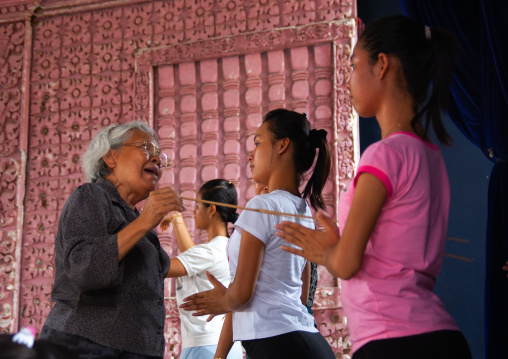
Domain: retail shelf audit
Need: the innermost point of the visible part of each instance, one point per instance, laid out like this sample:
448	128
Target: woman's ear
383	63
283	145
212	210
109	159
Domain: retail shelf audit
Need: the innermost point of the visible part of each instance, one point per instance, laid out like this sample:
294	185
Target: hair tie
428	33
25	336
316	137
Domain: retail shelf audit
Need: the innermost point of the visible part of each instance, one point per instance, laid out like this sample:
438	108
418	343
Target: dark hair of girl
283	123
220	190
426	56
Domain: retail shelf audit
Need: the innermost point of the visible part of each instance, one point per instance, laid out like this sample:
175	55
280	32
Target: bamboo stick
266	211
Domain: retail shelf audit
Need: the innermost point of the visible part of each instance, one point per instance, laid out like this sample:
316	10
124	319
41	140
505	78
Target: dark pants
444	344
87	349
293	345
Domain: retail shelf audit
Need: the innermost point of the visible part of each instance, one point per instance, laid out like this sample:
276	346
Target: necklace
393	129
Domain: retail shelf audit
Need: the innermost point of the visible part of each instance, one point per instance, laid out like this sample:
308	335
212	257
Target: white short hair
109	138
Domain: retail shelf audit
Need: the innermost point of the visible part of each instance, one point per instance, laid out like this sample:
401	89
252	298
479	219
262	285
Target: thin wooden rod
458	257
266	211
461	240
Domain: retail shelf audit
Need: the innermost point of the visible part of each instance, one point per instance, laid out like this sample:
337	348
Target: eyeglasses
151	150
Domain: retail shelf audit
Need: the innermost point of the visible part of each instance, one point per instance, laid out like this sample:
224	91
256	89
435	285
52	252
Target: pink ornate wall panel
201	72
15	39
199	107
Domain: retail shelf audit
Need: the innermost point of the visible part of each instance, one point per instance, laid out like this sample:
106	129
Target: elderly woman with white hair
110	266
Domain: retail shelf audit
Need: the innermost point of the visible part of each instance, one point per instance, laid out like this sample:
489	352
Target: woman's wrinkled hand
158	204
314	245
208	302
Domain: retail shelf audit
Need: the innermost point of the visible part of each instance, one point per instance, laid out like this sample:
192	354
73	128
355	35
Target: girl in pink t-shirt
394	215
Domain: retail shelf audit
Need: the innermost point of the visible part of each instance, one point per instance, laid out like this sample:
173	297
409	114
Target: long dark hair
427	56
283	123
220	190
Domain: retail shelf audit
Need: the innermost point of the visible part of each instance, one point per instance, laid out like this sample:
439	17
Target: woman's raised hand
314	244
167	220
208	302
158	204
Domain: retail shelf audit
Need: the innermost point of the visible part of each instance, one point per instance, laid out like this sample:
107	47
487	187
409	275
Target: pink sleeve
384	162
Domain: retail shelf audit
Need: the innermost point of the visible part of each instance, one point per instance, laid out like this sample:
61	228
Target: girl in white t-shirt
263	302
393	217
199	337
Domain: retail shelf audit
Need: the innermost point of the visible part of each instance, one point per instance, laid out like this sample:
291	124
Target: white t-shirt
275	307
211	256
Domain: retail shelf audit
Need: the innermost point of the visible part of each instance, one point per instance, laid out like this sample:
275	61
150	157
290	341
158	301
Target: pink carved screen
206	113
201	72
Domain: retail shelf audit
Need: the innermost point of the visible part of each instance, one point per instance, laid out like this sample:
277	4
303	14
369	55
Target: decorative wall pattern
214	139
295	72
12	163
201	72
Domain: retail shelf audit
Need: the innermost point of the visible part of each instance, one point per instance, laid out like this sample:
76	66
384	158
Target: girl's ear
212	210
383	63
109	159
283	145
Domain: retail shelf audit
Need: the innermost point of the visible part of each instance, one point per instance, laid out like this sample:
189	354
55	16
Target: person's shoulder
88	193
272	201
407	140
87	189
260	201
387	153
218	243
201	247
219	239
203	252
394	144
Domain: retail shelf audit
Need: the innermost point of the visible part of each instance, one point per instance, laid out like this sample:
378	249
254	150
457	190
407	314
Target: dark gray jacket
115	304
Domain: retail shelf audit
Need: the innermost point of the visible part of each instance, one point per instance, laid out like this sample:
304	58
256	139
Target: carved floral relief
12	55
202	72
214	130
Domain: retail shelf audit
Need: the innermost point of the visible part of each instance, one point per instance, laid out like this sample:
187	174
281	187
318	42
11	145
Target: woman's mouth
152	170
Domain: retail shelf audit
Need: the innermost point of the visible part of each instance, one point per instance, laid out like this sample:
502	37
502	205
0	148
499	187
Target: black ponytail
283	123
444	49
426	56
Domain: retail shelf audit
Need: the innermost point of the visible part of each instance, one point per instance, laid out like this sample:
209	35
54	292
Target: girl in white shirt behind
199	337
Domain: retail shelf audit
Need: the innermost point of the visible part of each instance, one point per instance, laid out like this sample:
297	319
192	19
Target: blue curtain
480	110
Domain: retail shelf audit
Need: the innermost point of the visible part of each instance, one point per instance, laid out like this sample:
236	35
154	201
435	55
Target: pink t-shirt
392	294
